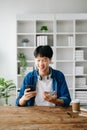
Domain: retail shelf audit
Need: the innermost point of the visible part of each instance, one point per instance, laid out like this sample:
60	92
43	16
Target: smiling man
50	87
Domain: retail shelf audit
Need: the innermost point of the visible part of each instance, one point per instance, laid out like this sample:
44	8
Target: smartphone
32	88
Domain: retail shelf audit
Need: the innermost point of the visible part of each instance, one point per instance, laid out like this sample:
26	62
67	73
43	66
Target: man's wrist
22	101
59	102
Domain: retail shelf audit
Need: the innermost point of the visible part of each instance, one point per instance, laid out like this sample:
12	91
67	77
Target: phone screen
32	88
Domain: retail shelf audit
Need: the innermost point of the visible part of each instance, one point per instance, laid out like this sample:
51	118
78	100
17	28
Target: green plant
22	62
44	28
5	87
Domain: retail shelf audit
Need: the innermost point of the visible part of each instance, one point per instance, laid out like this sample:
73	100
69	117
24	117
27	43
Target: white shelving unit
67	34
65	29
81	45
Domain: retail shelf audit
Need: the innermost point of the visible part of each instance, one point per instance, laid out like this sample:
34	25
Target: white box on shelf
79	70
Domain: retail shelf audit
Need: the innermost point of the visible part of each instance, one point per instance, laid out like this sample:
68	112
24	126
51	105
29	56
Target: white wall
8	11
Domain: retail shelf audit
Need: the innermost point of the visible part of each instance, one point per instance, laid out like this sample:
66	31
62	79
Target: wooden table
40	118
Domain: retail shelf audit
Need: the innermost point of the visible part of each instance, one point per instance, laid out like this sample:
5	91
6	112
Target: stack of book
81	94
70	40
83	111
79	55
81	88
81	82
42	40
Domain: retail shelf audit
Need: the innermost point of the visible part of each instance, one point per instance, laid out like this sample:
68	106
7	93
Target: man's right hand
27	95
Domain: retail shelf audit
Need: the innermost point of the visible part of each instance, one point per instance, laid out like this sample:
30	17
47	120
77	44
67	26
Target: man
50	86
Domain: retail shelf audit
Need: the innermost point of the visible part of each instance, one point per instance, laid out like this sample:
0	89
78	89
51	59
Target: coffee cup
76	105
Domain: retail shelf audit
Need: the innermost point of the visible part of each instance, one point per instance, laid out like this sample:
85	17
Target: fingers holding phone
29	92
30	88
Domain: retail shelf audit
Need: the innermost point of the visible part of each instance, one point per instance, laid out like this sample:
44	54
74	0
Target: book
80	81
83	108
70	41
42	40
83	111
79	55
80	114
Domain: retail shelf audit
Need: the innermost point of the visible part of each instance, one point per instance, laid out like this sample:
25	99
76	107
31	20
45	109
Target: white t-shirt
41	86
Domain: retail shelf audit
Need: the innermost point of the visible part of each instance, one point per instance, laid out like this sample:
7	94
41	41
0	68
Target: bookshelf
67	35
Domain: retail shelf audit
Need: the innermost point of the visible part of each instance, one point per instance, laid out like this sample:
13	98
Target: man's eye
44	60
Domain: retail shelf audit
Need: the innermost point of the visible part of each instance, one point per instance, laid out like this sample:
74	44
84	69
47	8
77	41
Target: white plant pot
25	44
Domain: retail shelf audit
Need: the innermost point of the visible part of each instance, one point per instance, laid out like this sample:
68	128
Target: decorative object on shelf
44	28
25	42
79	55
22	62
79	70
70	40
6	86
42	40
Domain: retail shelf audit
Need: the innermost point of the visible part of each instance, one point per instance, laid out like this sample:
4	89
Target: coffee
76	105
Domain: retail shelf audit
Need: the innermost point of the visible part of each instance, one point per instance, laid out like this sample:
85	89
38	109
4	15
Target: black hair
43	51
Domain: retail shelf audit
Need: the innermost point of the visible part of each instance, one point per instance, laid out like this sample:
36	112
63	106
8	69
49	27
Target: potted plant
44	28
5	87
25	41
22	62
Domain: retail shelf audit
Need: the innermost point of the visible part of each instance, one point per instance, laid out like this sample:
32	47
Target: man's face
42	63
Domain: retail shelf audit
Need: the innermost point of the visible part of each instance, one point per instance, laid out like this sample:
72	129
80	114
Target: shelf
81	60
26	34
81	75
48	23
81	33
81	88
65	61
84	47
64	47
25	27
64	26
81	25
66	33
26	46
